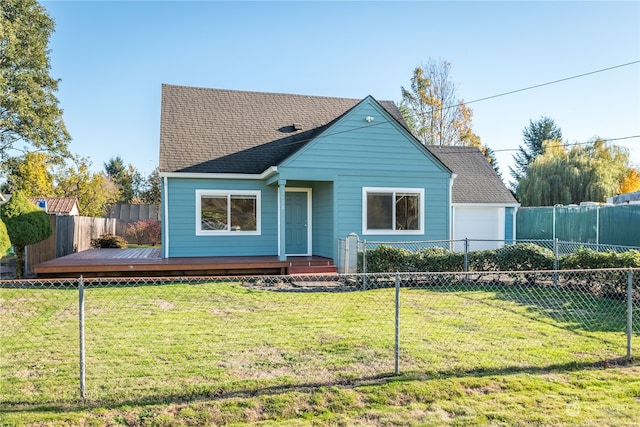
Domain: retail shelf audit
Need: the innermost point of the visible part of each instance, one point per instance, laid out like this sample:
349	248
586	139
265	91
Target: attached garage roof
476	182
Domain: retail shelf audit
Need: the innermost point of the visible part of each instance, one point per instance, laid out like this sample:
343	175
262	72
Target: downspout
166	216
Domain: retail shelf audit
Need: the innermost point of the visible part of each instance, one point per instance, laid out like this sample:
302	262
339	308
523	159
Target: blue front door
296	214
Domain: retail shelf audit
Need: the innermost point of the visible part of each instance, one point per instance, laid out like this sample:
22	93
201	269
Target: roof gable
382	116
225	131
476	182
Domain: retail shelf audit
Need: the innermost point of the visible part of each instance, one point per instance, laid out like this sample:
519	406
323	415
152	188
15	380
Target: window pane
214	213
407	211
243	213
379	211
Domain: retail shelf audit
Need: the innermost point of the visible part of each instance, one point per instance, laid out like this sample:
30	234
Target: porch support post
282	249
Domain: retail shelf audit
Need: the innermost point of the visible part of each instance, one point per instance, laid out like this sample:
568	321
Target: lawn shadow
208	393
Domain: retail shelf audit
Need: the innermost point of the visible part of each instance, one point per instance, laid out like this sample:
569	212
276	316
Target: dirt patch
165	305
303	284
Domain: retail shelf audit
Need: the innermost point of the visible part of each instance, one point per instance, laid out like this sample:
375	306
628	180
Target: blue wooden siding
509	222
182	220
323	220
357	154
348	156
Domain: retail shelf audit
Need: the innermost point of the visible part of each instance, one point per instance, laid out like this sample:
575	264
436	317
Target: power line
551	82
511	92
321	135
578	143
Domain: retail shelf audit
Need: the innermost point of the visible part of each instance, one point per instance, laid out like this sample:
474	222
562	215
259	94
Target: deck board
148	262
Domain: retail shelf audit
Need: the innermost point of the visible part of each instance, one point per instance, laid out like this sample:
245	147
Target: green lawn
223	353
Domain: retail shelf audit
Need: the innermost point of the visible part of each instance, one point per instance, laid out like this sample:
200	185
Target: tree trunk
19	261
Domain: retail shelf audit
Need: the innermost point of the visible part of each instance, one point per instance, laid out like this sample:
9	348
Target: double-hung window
227	212
392	210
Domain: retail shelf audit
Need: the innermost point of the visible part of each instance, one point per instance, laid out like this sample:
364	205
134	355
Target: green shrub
26	224
486	260
524	257
518	257
585	258
388	259
437	259
108	241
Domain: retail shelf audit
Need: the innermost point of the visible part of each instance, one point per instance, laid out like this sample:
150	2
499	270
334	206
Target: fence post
364	265
346	255
466	254
397	338
81	340
556	263
629	312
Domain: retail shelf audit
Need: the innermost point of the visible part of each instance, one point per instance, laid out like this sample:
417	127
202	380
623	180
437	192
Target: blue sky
113	56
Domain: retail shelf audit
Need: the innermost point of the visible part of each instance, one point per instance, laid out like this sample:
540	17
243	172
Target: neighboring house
483	209
250	173
57	205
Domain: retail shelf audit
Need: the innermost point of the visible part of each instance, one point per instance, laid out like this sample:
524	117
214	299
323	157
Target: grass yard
228	354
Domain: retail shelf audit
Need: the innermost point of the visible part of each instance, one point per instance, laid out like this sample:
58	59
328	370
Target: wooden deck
148	262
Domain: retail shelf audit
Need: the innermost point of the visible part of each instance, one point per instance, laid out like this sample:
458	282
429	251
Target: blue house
250	173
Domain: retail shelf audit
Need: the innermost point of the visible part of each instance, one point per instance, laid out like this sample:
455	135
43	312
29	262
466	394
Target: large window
227	212
392	210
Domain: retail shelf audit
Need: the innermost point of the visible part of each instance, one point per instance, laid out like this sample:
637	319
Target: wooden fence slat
73	234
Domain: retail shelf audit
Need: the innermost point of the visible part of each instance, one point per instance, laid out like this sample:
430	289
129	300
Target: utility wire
305	140
578	143
540	85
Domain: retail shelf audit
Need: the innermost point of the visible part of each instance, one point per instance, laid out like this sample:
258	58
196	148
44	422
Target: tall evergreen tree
533	136
127	178
492	159
151	193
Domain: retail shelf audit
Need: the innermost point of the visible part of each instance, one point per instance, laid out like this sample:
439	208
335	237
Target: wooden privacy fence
70	234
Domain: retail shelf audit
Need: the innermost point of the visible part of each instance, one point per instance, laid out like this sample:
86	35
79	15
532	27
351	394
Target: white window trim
366	190
201	193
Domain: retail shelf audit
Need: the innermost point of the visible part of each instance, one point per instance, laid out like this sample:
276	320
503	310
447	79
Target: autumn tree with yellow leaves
630	183
432	110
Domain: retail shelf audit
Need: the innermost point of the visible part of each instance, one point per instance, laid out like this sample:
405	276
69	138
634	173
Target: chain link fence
148	340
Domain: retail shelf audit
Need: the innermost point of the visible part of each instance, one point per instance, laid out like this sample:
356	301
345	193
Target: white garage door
478	223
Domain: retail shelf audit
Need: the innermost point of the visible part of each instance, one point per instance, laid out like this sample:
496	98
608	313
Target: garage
478	223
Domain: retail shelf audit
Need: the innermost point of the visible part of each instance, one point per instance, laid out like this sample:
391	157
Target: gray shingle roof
476	182
228	131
